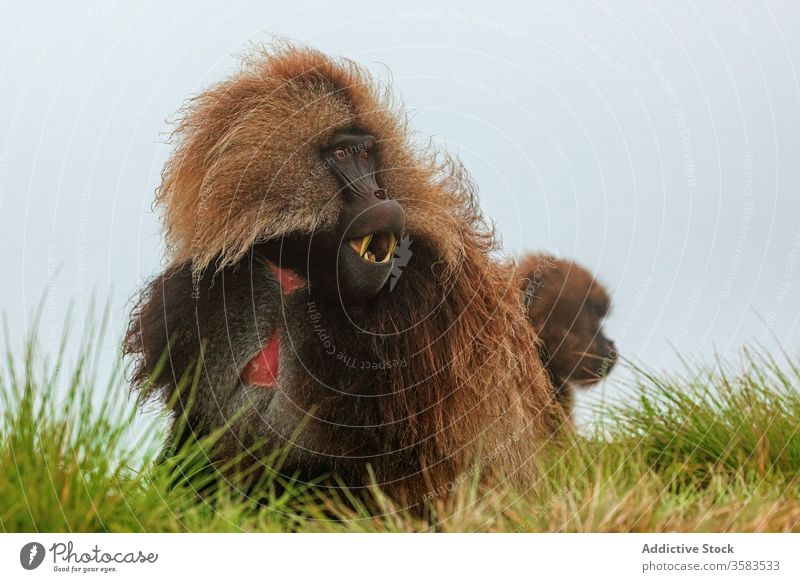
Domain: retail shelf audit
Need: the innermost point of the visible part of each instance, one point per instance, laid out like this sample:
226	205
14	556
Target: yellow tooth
365	243
392	246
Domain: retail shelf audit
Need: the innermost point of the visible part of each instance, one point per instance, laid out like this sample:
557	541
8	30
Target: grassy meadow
715	449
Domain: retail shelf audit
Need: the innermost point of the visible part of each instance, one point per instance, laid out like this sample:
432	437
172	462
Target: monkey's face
581	353
567	306
353	260
370	223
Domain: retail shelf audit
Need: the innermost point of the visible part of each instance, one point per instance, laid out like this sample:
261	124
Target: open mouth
375	248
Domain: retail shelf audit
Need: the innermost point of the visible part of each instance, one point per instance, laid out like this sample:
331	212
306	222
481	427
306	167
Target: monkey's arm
212	325
162	339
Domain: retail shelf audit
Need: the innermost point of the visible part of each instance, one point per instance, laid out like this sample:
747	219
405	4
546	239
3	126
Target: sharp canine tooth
390	251
365	243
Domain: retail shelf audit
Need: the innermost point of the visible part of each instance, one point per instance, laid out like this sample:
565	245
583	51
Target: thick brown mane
474	390
228	184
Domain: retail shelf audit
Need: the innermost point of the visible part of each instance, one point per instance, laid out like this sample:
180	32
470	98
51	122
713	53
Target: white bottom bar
352	557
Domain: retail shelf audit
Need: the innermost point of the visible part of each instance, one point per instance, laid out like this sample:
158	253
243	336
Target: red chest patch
262	370
287	279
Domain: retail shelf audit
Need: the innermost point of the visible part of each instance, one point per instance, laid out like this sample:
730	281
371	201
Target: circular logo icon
31	555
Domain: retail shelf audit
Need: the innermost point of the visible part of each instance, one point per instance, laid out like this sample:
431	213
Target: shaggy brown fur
566	306
247	166
426	379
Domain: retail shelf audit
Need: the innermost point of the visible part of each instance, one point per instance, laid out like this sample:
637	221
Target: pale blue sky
655	142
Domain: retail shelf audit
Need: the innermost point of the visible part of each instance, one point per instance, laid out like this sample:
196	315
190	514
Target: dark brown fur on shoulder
436	371
566	305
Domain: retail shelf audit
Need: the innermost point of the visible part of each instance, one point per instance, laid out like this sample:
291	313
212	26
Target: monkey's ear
162	337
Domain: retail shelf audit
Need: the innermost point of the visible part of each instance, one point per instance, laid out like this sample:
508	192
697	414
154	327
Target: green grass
717	449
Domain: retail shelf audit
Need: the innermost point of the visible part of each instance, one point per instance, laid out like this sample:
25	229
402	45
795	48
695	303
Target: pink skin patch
287	279
262	370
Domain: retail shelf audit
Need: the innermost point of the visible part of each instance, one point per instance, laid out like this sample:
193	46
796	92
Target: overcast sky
657	143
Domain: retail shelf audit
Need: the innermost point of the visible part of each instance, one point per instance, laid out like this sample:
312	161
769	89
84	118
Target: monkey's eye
340	154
